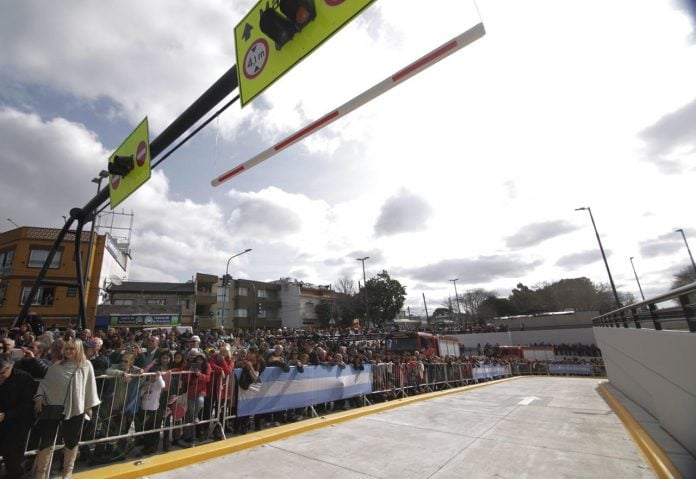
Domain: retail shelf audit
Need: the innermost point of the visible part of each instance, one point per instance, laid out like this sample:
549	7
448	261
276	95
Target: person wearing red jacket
198	382
221	365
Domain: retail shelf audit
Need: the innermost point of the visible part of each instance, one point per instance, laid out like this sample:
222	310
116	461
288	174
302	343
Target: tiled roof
149	287
51	234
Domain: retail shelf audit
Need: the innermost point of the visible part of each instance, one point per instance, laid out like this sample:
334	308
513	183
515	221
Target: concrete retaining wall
656	369
522	338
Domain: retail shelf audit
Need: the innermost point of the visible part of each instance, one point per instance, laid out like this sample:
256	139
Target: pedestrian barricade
139	408
571	369
146	407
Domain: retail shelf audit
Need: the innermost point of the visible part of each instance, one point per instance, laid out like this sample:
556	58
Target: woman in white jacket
69	383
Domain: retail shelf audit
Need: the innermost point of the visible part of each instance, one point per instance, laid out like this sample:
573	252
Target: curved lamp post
363	259
226	284
601	248
637	281
456	296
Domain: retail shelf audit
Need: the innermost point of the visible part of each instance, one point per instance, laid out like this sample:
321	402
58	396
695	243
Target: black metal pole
82	313
206	102
604	257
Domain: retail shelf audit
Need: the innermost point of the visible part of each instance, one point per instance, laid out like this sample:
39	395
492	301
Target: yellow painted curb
660	462
134	469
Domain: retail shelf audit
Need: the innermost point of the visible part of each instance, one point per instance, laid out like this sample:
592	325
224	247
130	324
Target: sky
472	169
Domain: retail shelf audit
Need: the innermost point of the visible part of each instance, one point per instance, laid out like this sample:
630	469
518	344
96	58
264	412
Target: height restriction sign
136	146
275	35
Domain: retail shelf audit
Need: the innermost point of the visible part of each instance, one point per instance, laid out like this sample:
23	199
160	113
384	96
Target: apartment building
23	252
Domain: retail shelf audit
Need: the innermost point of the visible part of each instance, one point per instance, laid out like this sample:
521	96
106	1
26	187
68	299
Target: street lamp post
364	281
604	256
456	297
98	180
637	281
226	284
687	247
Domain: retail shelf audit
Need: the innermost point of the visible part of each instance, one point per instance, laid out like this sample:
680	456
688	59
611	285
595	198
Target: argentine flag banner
279	391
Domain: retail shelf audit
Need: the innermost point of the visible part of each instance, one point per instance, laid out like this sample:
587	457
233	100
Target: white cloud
494	145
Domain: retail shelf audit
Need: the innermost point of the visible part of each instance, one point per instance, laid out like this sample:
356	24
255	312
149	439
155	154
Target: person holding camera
65	395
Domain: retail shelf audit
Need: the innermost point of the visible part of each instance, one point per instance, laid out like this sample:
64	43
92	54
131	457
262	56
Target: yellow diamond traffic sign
260	62
136	145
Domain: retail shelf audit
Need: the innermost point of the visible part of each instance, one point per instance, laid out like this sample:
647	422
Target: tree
494	307
525	300
472	299
349	307
441	312
324	311
345	285
683	277
384	298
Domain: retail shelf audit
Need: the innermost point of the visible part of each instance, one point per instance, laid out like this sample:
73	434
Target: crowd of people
72	384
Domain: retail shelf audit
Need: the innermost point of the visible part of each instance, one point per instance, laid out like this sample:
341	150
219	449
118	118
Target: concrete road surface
524	428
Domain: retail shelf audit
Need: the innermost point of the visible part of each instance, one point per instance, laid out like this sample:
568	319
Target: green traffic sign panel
136	146
292	29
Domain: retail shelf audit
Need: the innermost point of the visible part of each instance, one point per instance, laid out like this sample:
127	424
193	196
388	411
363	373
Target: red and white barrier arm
414	68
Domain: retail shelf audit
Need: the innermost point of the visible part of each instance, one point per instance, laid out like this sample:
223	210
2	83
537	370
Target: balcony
206	322
205	296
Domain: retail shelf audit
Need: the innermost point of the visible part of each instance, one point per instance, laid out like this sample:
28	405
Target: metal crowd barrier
119	422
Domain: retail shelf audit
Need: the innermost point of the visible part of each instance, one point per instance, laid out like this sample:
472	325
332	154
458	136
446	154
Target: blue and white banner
490	372
571	369
279	391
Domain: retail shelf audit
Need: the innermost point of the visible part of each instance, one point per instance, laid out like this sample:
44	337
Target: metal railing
120	422
649	315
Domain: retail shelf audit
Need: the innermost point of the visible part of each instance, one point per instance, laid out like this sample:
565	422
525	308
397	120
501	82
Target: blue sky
473	169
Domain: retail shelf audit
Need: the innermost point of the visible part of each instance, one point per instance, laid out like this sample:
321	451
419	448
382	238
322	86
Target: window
240	313
44	296
37	258
6	258
221	295
242	292
186	303
122	302
262	293
155	301
72	292
3	291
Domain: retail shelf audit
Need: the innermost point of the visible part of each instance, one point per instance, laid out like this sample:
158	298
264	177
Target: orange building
23	252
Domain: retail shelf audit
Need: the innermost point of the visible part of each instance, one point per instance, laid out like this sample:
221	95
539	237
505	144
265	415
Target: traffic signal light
259	308
226	279
276	27
122	165
299	12
296	14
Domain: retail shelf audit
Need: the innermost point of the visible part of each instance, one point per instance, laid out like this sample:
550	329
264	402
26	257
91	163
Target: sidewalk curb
662	465
134	469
